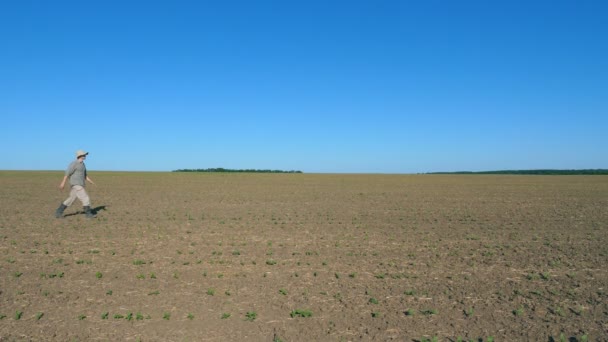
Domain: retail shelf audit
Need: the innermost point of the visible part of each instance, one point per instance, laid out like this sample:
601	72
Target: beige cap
80	153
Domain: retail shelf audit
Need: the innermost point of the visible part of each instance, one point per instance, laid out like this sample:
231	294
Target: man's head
81	155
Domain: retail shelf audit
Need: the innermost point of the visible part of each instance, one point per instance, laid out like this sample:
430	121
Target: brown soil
192	257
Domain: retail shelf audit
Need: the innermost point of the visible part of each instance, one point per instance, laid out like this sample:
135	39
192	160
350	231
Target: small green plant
18	274
519	311
283	292
82	317
410	312
432	339
98	275
429	312
167	316
469	312
18	315
138	262
141	276
190	316
105	315
301	313
373	300
251	316
39	315
558	311
225	315
211	292
109	293
532	276
375	314
271	262
118	316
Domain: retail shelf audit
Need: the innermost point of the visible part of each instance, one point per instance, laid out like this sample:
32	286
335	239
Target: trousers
79	192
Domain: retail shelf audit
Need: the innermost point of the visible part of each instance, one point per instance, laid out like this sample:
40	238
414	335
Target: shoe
89	212
59	211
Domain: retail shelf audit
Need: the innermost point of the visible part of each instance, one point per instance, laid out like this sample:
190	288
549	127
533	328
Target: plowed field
305	257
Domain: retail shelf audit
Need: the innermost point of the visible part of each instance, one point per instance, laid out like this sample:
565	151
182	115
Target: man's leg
68	202
86	201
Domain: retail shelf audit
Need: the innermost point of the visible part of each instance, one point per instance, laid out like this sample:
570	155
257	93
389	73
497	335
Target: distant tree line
221	169
530	172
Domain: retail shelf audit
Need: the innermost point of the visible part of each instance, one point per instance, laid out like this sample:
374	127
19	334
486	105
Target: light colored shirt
77	172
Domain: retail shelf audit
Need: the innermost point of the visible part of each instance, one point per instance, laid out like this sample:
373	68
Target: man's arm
90	180
62	185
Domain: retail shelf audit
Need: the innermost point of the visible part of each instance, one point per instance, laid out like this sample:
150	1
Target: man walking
77	173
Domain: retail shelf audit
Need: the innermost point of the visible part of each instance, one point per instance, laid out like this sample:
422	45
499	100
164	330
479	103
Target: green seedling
105	315
18	315
98	275
373	300
283	292
190	316
225	315
301	313
166	316
251	316
519	311
211	292
429	312
39	316
82	317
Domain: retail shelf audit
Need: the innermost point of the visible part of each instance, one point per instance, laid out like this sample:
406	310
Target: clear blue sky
317	86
